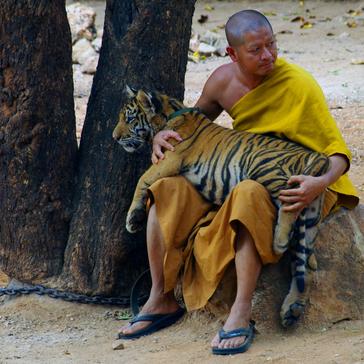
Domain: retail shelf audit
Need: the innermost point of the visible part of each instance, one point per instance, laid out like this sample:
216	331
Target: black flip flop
248	332
157	322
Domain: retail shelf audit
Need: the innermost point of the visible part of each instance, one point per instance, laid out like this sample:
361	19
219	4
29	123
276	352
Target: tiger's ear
145	100
130	91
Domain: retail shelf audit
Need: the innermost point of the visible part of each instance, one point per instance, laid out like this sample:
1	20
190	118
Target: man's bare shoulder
221	74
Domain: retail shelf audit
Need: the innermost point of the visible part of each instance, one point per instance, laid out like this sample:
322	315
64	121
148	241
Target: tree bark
37	137
145	45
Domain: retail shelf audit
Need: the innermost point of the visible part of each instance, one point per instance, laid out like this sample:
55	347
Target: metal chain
71	297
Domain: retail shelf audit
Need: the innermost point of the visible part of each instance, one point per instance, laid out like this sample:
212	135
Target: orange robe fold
200	239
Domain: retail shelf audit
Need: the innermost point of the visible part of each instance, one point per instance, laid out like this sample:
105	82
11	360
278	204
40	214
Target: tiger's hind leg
295	302
283	231
303	263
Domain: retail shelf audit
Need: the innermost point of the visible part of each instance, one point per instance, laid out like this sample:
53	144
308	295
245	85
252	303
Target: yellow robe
290	104
200	238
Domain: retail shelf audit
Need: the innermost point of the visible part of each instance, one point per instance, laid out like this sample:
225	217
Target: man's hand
310	187
297	198
160	143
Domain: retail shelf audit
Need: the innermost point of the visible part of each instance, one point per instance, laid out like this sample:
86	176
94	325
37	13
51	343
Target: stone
337	292
216	40
82	21
90	65
82	82
359	20
194	43
206	49
96	44
82	50
118	345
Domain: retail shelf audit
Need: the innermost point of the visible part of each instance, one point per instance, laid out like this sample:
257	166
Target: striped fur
215	159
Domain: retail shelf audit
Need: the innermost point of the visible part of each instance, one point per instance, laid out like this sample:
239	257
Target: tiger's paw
135	220
291	314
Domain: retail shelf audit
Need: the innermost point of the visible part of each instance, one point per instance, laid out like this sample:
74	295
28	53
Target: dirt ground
43	330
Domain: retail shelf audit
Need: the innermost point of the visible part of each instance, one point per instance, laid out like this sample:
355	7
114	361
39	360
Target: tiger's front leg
137	213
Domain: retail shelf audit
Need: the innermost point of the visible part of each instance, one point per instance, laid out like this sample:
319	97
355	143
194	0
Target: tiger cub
215	159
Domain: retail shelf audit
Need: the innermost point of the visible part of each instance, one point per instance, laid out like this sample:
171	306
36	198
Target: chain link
70	296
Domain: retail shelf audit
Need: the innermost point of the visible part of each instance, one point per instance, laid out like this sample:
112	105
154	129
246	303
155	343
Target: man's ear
145	100
232	54
130	91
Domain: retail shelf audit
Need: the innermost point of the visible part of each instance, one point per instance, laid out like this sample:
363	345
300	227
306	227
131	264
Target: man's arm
310	187
207	102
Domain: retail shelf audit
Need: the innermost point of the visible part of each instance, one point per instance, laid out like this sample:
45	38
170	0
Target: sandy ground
42	330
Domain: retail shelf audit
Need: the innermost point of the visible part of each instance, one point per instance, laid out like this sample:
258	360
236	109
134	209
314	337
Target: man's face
256	56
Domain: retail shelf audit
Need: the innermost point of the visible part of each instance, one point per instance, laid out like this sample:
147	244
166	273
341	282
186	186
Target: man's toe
215	341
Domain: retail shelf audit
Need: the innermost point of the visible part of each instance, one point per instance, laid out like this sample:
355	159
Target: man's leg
158	302
177	208
248	266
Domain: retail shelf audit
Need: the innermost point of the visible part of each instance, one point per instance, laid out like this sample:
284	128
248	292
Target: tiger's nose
115	135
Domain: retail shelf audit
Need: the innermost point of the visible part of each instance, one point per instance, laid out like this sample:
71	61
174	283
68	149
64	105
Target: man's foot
239	317
163	304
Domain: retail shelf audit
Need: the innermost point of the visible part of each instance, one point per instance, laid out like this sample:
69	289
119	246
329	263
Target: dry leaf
285	32
354	12
325	19
196	55
306	25
269	13
208	7
298	18
357	61
351	24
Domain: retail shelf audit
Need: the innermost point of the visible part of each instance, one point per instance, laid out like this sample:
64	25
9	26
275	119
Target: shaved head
242	22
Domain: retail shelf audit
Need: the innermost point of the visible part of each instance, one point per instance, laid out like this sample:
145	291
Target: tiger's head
144	114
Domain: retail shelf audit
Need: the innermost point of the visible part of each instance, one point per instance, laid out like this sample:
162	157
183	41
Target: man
263	94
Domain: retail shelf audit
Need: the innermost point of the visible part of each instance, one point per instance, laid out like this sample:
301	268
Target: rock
82	21
337	292
90	65
81	51
118	345
344	35
206	49
216	40
194	43
359	20
96	44
82	82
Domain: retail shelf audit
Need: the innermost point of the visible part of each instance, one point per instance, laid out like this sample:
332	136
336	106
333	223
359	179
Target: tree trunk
145	45
37	137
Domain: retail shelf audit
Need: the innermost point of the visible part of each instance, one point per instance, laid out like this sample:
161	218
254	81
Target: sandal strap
243	331
147	317
156	316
